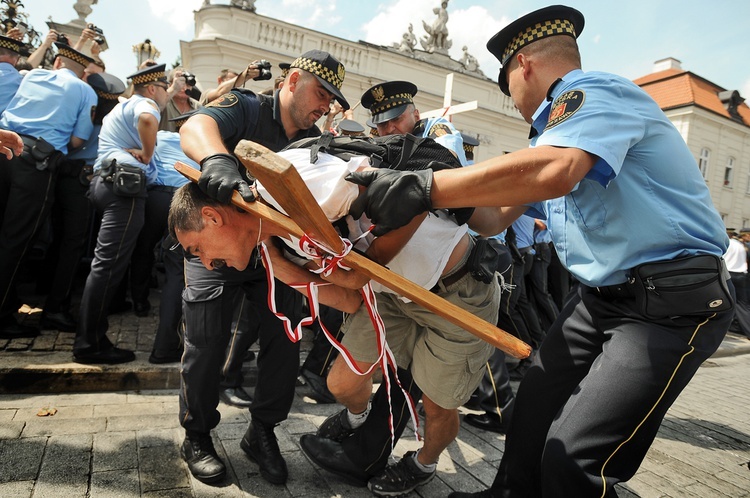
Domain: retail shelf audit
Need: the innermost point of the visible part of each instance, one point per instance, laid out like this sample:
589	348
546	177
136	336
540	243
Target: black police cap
327	68
284	66
149	74
11	44
469	142
388	100
69	52
543	23
106	86
351	127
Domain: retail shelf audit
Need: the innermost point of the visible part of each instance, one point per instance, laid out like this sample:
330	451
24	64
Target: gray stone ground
124	443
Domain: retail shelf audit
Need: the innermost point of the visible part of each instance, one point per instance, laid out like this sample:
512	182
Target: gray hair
185	209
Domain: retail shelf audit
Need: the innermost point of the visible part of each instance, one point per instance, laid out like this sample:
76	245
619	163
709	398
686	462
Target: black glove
221	176
392	198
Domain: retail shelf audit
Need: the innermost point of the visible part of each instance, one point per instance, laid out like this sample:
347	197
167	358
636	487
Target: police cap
69	52
329	71
149	74
284	66
106	86
182	118
549	21
351	127
388	100
11	44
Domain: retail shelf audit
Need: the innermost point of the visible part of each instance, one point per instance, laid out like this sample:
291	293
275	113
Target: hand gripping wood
282	180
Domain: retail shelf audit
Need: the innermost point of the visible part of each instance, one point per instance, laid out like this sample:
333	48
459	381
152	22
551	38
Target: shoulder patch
438	130
564	107
226	100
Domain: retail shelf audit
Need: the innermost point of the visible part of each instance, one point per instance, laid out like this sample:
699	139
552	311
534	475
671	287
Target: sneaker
400	478
336	427
202	460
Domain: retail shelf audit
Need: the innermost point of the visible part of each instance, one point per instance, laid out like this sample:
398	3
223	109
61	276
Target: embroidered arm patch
564	107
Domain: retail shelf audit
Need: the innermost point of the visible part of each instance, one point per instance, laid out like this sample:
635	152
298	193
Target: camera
99	39
61	38
265	70
189	78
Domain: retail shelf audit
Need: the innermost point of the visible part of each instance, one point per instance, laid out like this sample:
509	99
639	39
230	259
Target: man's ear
212	216
294	77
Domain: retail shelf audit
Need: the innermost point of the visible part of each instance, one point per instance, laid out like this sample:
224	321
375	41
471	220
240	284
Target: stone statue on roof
437	39
408	41
468	61
83	7
244	4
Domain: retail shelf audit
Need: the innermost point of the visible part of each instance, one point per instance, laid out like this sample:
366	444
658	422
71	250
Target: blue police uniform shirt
120	131
10	79
644	199
443	132
168	152
542	236
87	152
54	105
524	228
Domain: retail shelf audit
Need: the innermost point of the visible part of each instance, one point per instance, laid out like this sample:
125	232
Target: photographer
228	79
180	82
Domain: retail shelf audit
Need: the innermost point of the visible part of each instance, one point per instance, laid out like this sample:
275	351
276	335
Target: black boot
260	445
202	460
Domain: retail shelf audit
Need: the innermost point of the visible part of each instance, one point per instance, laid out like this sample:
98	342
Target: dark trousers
537	287
559	279
591	404
742	304
243	334
370	445
521	311
210	301
122	219
26	195
71	215
167	338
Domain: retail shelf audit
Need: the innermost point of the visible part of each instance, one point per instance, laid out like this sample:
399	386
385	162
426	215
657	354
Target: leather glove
221	176
392	198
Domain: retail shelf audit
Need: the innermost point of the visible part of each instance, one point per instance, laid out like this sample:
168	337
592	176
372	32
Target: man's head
181	72
10	50
69	58
544	32
392	107
108	88
314	80
151	82
226	75
219	234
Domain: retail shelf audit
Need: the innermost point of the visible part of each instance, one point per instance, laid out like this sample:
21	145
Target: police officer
314	80
51	110
10	78
71	213
365	453
470	143
118	190
625	202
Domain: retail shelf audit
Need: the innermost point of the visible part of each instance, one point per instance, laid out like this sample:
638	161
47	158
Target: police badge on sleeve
564	107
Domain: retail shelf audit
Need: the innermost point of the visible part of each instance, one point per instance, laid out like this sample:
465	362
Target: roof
674	88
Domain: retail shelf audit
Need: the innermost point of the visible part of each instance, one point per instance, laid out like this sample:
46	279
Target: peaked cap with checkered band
388	100
149	74
68	52
327	68
549	21
11	44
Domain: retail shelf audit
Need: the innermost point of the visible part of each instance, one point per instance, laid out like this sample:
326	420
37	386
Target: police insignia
226	100
565	106
378	93
438	130
341	73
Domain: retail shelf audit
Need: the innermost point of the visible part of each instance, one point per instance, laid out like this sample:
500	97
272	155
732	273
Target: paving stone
16	489
115	484
48	426
65	467
115	451
20	459
141	422
160	468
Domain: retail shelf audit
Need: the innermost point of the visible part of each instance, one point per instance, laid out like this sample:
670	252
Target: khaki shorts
447	362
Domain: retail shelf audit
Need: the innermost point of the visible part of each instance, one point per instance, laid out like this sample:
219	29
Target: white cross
448	110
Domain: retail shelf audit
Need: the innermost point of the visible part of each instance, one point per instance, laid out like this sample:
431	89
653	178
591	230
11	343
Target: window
703	162
729	172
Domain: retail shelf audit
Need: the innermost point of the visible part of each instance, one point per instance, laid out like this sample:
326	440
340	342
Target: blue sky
710	39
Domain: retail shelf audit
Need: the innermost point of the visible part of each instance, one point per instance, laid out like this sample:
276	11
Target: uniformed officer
10	78
122	170
71	213
470	142
625	202
349	127
365	453
51	110
167	346
314	80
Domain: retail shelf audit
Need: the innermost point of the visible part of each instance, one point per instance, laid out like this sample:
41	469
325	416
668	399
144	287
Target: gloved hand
220	176
392	198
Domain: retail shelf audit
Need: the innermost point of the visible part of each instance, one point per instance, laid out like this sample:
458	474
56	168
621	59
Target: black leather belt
162	188
452	278
624	290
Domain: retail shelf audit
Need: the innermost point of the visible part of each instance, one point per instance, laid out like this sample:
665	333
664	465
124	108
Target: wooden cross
448	110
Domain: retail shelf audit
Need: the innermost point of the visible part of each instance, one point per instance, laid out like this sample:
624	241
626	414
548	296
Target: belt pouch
486	257
128	181
691	286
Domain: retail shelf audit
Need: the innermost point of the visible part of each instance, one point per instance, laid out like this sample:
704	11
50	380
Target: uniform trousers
122	220
70	218
524	306
167	339
591	404
209	304
537	287
26	195
742	304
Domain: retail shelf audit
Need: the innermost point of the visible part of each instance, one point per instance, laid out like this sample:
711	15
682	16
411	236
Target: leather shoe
108	356
141	308
202	460
485	421
236	396
14	330
260	445
62	321
317	383
329	455
157	358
